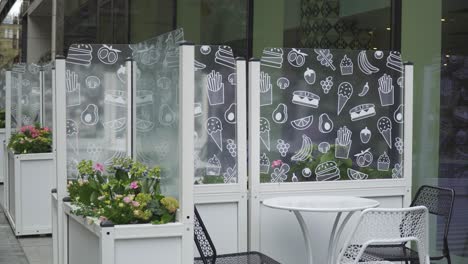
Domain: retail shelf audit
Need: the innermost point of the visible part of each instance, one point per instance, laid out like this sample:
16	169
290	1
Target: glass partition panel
2	97
215	115
331	115
26	95
47	95
157	105
97	103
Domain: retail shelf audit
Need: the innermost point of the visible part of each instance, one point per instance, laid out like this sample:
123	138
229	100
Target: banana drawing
305	151
364	64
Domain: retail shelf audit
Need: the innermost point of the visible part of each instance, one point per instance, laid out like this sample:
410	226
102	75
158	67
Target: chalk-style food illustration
325	58
197	109
399	145
115	97
306	172
143	97
230	114
199	66
283	83
324	147
325	123
116	125
205	50
144	125
266	89
108	55
400	82
394	61
280	174
215	88
364	65
310	76
356	175
282	147
213	167
80	54
264	164
166	115
365	90
72	136
383	163
265	132
346	66
345	91
296	58
214	127
294	178
92	82
343	143
280	114
385	128
397	171
378	54
272	57
305	98
327	84
386	90
302	123
230	176
364	158
327	171
398	115
224	56
73	88
232	78
306	150
90	116
232	147
365	135
362	111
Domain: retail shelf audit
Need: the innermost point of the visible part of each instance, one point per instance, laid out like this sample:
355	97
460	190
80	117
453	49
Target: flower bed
31	139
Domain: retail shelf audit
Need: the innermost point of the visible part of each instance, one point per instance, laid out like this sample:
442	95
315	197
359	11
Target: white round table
322	204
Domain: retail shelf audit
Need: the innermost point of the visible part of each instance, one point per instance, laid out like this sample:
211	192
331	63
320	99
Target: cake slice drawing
265	132
272	57
214	127
394	61
345	91
224	56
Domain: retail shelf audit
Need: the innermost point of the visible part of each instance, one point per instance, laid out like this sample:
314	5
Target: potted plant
31	170
115	213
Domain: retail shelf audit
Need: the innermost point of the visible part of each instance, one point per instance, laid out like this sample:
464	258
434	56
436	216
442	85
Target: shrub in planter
31	139
2	118
127	193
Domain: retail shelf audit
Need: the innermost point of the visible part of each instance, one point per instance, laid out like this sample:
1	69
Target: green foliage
128	194
31	139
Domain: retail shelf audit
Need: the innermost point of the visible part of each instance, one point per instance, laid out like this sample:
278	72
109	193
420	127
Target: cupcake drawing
386	90
383	163
264	164
214	127
266	89
346	66
213	168
72	135
265	132
215	88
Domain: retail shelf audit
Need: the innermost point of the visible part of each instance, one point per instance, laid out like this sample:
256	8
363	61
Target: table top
321	203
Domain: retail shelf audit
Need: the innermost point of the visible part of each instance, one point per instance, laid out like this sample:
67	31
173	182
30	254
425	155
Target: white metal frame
6	206
368	188
233	193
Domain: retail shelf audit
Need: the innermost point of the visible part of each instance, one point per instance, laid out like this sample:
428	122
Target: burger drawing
327	171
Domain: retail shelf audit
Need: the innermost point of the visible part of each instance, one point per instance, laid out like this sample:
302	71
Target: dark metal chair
439	202
208	254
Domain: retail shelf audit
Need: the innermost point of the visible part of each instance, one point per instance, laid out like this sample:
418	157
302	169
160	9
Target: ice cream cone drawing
343	143
215	88
386	90
266	89
385	128
345	91
265	132
215	130
72	136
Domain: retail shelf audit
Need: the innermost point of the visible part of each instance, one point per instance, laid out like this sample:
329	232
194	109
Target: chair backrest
439	201
387	226
205	245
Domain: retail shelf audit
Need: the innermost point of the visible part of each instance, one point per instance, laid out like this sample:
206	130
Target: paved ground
32	250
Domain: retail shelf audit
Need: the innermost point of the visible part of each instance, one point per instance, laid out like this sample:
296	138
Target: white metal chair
381	227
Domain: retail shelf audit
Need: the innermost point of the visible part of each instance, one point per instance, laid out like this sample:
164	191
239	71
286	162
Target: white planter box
29	182
91	243
2	155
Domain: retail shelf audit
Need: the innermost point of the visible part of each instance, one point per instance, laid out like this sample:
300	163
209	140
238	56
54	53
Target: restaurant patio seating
378	228
208	253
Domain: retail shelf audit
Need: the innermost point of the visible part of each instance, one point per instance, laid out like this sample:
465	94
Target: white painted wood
2	155
6	206
408	131
30	179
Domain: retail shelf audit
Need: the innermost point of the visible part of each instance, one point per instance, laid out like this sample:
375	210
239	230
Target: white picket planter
29	183
89	242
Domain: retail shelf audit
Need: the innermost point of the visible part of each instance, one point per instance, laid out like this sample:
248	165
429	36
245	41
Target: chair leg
449	261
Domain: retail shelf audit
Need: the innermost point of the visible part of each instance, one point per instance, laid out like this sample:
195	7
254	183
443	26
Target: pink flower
34	134
102	218
127	199
276	163
135	203
134	185
99	167
46	129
